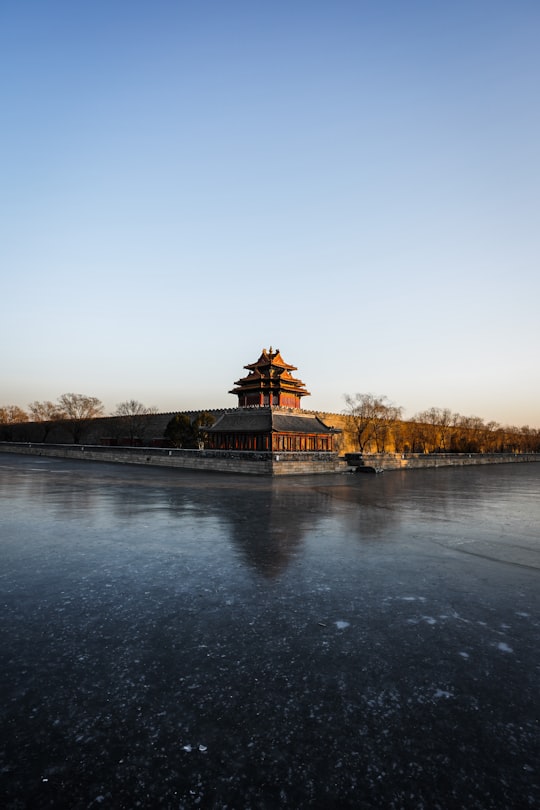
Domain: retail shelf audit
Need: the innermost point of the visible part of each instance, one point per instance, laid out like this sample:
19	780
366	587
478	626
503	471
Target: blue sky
355	183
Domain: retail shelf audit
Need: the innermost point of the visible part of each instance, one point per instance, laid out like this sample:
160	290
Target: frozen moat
182	640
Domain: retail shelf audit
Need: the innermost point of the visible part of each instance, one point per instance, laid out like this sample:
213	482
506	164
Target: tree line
75	413
378	426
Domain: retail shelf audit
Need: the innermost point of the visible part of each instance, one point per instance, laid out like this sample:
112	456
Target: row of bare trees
75	414
378	427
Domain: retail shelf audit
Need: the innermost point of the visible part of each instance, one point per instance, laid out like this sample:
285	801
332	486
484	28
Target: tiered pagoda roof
270	383
265	419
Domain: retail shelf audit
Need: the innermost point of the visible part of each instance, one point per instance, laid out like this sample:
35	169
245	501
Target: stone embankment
263	463
229	461
379	462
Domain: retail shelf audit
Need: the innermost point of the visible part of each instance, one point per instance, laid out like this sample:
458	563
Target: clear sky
354	182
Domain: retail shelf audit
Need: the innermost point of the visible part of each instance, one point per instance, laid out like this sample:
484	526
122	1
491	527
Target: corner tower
269	383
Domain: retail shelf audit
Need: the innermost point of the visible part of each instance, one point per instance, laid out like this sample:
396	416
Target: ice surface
178	640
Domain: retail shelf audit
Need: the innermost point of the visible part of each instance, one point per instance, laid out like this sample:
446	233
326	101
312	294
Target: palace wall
154	427
114	428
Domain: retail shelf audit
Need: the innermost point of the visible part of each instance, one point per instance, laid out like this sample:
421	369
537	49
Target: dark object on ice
357	461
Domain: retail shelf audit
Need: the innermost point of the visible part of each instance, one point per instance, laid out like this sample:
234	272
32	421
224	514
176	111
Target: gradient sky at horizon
355	183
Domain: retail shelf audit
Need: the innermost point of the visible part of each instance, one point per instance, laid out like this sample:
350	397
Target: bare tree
133	418
419	434
491	437
78	412
400	436
10	415
513	439
47	413
371	416
385	425
441	421
471	431
529	438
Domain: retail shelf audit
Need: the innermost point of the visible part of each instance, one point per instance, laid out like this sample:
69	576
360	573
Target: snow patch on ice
426	619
